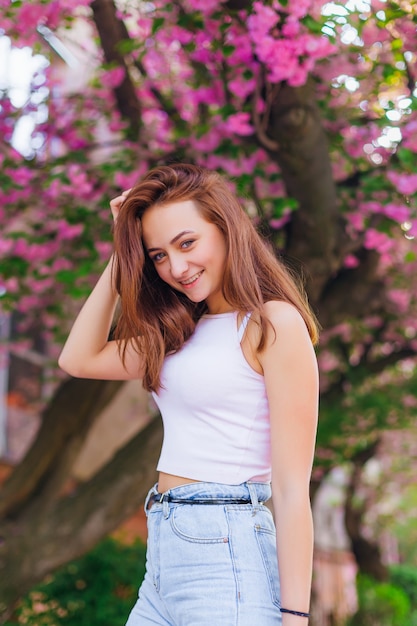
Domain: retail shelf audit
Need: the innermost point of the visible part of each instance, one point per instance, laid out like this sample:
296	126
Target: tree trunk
366	552
65	423
314	234
35	545
112	31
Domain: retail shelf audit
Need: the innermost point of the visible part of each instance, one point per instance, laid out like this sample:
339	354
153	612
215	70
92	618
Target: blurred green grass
100	588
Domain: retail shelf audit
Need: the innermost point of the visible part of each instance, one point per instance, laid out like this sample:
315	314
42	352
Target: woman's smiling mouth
191	281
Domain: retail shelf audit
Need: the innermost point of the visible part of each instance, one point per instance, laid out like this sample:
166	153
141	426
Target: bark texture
366	551
35	543
302	153
112	31
65	423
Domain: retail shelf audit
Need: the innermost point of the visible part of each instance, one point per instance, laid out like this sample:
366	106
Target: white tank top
214	408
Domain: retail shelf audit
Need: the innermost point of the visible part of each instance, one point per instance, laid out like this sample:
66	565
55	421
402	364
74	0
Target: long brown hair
160	319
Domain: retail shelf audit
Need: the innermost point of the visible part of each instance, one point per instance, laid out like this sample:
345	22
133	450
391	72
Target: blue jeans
210	565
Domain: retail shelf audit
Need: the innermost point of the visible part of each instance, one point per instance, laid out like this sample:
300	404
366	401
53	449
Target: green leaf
191	22
313	25
228	50
226	110
396	44
394	13
279	205
407	158
410	257
157	24
126	46
189	47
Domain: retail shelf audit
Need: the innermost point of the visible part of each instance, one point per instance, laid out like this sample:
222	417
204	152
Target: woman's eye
187	244
158	257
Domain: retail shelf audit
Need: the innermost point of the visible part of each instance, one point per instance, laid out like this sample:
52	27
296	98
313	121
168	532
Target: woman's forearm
90	331
295	554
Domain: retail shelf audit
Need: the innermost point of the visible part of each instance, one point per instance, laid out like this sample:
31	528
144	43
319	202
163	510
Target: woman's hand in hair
117	202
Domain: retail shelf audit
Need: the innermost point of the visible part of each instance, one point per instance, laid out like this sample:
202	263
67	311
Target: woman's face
189	253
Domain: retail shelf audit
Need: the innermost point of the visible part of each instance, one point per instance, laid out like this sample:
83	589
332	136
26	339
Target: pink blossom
299	8
182	35
243	52
328	361
29	303
55	189
5	246
145	27
397	212
409	401
209	141
401	298
405	183
371	207
291	28
239	124
11	285
203	52
278	223
375	240
241	86
113	78
298	77
20	176
409	132
42	285
117	124
371	33
205	6
262	20
126	180
357	220
79	181
351	261
68	231
412	232
61	264
104	249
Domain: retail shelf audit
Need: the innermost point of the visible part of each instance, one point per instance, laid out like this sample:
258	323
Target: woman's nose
178	266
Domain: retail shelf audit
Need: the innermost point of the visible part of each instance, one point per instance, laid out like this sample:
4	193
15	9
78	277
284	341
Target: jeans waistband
204	492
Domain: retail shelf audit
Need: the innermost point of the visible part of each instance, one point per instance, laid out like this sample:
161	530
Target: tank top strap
243	325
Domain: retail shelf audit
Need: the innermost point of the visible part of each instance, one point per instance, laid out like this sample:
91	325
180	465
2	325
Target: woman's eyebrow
175	239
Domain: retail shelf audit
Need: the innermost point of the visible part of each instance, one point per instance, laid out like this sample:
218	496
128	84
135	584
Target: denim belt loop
165	506
151	493
253	496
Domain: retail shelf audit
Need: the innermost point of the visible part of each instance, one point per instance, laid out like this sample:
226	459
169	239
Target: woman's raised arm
87	352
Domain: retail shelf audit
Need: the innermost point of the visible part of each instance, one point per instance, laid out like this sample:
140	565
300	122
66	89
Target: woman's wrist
293	612
294	620
291	617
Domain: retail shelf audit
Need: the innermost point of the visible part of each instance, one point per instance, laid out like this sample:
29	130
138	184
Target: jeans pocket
200	523
266	539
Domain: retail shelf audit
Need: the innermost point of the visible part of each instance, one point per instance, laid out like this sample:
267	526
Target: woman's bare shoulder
282	314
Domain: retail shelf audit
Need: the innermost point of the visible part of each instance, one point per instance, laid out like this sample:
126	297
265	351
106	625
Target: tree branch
66	420
354	292
378	365
112	31
36	545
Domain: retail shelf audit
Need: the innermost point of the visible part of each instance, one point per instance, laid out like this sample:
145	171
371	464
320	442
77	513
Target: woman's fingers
117	202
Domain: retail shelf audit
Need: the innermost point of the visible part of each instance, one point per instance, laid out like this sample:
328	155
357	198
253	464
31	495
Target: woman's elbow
69	367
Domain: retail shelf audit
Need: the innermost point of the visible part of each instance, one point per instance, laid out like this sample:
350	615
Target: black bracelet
299	613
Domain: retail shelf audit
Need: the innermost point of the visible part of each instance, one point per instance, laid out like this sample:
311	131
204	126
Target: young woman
221	334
